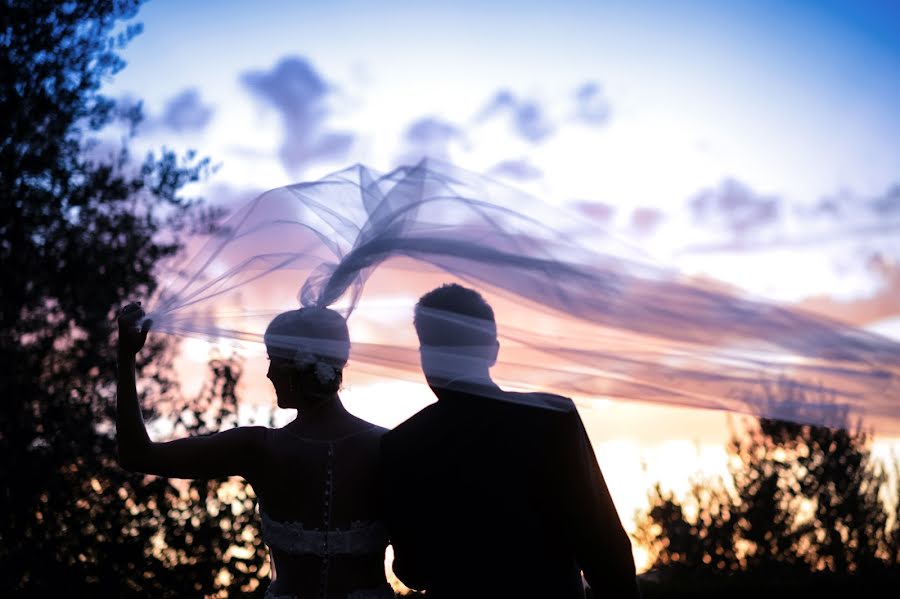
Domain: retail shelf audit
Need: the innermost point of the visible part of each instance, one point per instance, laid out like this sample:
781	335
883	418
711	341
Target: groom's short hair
454	315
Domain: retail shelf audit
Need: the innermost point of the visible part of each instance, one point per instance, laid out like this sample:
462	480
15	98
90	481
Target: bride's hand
132	329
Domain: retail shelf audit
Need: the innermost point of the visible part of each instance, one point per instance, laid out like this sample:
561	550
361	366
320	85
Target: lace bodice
362	538
325	529
292	537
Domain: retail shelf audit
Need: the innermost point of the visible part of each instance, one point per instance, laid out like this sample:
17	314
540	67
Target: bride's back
319	500
319	477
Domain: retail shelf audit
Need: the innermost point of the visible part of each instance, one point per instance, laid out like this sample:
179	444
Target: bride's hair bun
313	339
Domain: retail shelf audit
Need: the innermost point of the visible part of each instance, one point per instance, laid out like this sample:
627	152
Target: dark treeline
84	225
806	507
84	228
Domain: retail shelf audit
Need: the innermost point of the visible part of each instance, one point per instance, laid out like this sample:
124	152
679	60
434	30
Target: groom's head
457	334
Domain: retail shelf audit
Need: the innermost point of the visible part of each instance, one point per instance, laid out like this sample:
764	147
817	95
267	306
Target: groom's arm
602	546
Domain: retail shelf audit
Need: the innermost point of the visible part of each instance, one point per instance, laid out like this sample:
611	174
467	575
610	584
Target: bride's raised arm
234	452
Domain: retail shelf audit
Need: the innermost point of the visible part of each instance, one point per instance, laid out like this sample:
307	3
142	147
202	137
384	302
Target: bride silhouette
317	478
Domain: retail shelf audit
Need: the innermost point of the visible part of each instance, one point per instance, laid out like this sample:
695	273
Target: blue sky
635	107
752	142
811	83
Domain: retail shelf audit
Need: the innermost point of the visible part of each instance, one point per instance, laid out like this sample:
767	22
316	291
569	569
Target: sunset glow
749	145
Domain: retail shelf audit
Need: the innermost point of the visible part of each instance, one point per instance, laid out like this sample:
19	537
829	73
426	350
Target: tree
199	537
82	226
802	499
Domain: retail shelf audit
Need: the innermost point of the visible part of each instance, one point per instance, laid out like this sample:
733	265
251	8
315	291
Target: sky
748	142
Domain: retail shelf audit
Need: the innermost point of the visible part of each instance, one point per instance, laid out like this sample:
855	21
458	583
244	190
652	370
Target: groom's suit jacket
494	498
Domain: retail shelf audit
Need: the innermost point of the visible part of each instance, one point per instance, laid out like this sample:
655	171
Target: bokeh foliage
802	502
84	226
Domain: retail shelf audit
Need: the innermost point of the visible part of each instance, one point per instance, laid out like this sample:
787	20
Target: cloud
848	205
591	104
519	170
297	91
430	130
185	113
887	204
430	136
596	211
645	220
530	120
881	305
845	216
527	117
736	207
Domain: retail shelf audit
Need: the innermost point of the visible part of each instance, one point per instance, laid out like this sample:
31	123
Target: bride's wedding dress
330	542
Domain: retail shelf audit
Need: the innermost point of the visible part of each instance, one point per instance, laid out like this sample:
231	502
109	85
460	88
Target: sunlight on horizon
747	144
637	445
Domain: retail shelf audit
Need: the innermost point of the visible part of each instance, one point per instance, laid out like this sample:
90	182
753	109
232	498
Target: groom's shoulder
536	413
540	403
415	426
558	403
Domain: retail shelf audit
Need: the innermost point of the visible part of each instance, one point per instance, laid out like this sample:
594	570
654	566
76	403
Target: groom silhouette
492	493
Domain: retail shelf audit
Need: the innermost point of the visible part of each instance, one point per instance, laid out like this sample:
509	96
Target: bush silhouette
83	225
801	499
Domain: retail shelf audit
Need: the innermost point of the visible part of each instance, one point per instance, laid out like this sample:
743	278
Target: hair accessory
325	373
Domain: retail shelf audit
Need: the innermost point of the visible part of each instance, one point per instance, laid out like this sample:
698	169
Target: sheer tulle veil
586	317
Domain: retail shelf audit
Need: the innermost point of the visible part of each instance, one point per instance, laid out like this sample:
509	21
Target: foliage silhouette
801	500
206	539
81	226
